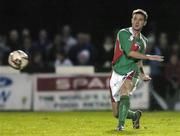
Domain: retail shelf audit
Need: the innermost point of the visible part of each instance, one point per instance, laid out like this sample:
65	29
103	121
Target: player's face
138	22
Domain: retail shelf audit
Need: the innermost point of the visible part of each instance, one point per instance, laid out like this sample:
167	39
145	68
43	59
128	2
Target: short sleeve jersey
126	42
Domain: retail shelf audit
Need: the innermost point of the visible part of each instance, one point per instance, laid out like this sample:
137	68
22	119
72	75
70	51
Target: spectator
37	60
83	44
155	70
36	63
27	45
12	43
25	33
13	40
106	52
172	74
68	39
164	45
4	50
91	48
83	57
43	45
155	67
62	60
58	45
175	49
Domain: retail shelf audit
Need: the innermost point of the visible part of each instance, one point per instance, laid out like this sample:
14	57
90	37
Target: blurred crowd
166	75
46	52
67	49
62	49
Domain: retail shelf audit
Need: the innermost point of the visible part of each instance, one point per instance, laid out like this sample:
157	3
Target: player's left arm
142	74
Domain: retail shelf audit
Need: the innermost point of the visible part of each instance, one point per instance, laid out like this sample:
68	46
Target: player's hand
155	57
145	77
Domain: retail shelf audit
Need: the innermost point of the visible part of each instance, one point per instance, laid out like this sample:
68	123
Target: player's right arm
127	44
138	55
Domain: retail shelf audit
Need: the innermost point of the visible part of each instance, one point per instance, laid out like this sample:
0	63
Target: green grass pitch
85	124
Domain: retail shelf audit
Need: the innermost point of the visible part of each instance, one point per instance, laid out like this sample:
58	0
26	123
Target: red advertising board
80	92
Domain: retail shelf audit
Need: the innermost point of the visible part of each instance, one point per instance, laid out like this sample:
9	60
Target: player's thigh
126	87
115	109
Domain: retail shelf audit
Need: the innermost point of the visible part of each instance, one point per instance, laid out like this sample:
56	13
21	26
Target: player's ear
145	23
131	20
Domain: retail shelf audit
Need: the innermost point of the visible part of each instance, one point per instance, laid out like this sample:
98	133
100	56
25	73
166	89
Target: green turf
85	124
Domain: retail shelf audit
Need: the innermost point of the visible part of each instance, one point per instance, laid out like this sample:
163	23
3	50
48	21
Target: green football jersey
126	42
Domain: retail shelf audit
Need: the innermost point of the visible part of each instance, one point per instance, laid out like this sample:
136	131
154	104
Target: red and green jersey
126	42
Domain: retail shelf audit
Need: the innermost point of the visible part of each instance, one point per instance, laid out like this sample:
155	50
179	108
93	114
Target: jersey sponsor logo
135	47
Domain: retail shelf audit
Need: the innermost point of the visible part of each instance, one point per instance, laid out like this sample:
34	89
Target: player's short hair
140	11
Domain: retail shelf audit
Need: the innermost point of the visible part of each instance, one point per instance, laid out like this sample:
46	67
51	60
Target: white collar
131	31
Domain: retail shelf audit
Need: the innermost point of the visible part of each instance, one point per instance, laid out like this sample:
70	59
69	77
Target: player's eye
135	19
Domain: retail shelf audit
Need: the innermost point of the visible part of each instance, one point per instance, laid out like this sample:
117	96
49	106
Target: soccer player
127	68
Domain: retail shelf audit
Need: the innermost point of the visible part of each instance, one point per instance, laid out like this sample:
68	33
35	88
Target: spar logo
73	83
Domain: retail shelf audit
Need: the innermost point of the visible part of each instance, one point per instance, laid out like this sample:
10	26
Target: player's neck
136	33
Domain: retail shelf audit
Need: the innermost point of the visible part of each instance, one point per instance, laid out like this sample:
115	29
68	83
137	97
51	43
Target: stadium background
96	17
95	22
94	25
